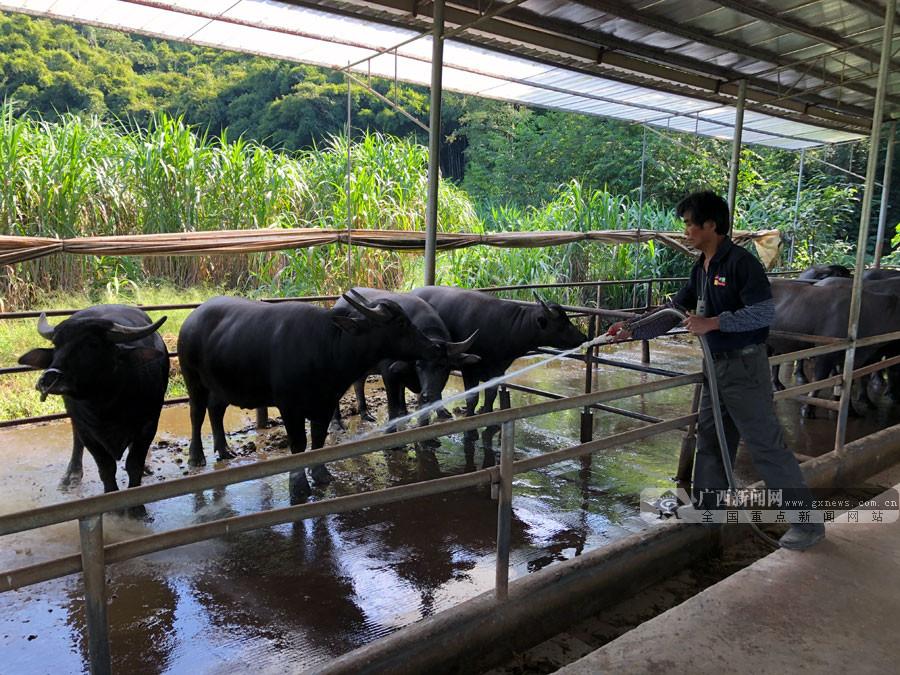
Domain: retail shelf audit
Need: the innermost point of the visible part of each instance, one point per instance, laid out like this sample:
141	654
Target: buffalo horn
44	327
543	304
120	333
361	298
374	314
377	307
457	348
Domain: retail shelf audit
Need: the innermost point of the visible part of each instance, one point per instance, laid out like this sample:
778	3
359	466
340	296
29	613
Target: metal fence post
683	475
587	416
645	344
91	530
504	509
262	418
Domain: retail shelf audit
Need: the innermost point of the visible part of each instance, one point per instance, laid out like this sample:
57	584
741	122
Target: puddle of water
293	596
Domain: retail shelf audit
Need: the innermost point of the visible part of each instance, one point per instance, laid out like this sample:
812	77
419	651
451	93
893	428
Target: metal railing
95	556
607	313
89	512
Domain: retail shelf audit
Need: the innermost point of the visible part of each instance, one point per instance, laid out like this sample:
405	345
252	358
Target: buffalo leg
776	378
490	395
424	418
198	399
396	402
800	372
469	382
134	466
295	427
359	387
893	381
319	472
75	469
106	466
822	369
217	422
337	420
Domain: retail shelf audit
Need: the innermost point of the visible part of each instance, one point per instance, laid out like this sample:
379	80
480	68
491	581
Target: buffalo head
86	354
817	272
554	327
405	340
432	374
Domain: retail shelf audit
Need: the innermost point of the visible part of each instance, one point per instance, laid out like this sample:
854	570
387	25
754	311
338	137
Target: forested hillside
512	163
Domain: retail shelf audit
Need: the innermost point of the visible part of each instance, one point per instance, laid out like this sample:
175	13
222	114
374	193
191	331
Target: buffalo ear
467	360
37	358
398	367
145	355
349	324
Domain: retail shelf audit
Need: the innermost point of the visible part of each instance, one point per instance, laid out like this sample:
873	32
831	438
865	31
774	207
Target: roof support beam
434	140
700	86
763	12
870	6
605	41
648	19
885	194
864	218
736	150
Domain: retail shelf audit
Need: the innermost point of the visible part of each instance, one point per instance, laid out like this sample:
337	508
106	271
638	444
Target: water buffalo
426	377
817	272
111	367
879	274
823	309
297	357
506	329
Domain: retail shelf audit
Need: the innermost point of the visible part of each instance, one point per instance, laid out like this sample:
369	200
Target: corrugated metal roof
811	65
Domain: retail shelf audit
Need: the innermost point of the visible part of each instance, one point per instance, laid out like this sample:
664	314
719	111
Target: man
732	305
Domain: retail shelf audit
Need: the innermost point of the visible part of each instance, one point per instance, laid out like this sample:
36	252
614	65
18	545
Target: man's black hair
705	206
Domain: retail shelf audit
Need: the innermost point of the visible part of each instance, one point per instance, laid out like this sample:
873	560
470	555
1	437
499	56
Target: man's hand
701	325
619	332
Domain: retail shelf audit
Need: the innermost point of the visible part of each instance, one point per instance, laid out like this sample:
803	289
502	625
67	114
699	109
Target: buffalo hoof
876	388
70	479
147	471
139	512
443	413
225	454
367	416
298	487
489	434
196	460
320	474
429	444
807	412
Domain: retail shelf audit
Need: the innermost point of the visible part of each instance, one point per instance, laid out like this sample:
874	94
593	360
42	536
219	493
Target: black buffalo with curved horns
111	367
506	329
425	377
295	356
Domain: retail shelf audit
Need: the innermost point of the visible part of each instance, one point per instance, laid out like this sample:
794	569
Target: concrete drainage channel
483	632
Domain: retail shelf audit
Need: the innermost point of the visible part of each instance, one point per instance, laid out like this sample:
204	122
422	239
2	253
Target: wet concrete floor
290	597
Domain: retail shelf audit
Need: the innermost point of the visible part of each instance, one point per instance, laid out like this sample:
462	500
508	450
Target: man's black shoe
802	537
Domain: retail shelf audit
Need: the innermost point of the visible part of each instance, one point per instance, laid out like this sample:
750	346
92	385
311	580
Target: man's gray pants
748	412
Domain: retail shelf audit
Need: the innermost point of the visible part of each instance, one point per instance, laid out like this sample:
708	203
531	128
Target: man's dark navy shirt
735	279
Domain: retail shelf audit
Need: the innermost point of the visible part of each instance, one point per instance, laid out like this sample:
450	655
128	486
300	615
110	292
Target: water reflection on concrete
292	596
